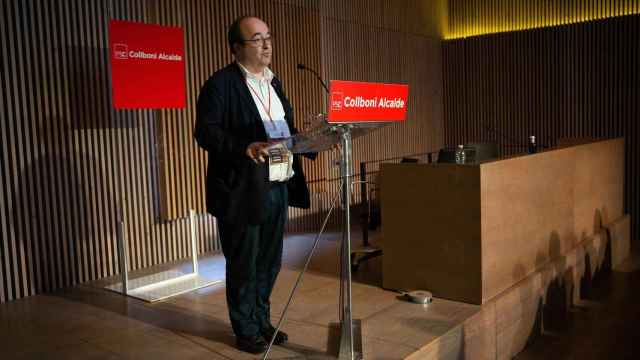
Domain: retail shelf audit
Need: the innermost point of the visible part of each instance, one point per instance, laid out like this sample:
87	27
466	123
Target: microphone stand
324	85
349	330
319	78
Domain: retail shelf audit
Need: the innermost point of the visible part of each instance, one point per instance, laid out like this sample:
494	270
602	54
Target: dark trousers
254	256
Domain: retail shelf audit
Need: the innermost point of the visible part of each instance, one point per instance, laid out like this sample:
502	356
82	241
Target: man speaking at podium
241	112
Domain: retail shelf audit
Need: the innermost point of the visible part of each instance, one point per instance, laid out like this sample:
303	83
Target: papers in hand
280	162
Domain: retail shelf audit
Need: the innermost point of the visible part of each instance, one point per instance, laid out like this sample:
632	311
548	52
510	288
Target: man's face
254	52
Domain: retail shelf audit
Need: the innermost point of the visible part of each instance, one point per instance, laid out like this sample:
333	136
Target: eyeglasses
259	42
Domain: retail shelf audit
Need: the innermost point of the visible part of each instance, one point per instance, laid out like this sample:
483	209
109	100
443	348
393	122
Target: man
241	111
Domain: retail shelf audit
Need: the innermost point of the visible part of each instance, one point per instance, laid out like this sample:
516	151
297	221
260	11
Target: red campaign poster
354	101
147	65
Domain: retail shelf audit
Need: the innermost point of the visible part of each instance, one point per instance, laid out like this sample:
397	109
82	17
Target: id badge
280	163
277	129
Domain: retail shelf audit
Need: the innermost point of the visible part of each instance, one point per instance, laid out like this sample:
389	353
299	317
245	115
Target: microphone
303	67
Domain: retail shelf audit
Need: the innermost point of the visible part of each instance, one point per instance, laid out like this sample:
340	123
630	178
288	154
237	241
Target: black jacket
227	121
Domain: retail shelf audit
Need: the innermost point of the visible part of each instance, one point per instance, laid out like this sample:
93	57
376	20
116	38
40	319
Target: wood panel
70	163
182	164
364	41
431	231
505	325
527	222
573	81
379	41
469	232
478	17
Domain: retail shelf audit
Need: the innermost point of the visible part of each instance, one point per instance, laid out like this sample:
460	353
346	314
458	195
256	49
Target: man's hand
257	151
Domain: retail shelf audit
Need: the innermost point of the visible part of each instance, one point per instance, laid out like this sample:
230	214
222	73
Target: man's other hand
257	151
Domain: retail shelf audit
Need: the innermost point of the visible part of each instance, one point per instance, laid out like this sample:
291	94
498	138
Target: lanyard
266	109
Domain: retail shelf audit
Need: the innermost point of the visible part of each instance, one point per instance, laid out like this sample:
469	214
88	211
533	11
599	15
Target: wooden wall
384	41
570	81
477	17
69	162
381	41
468	233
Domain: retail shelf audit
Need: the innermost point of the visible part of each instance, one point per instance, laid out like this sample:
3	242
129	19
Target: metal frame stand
162	285
350	329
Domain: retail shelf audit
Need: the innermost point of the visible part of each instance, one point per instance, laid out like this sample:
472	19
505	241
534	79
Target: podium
355	109
471	232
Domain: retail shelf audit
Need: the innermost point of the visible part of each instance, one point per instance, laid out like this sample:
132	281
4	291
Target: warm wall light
480	17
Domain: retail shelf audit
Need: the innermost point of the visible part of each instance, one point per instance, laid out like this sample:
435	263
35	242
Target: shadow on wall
64	212
559	290
62	203
528	327
548	299
595	273
91	108
562	292
89	91
540	307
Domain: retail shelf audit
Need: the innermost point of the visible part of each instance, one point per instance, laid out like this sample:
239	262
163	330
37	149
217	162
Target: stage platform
88	322
195	325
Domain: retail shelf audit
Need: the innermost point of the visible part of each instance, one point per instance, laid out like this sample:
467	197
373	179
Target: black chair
448	155
484	151
474	152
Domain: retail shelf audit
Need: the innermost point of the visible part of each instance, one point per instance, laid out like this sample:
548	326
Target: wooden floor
603	327
90	323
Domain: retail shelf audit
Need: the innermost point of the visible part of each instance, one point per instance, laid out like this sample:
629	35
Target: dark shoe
281	337
251	344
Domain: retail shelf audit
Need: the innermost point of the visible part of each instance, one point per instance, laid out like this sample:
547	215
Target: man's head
250	42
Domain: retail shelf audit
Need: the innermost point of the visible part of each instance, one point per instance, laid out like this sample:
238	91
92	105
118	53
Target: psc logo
120	51
336	100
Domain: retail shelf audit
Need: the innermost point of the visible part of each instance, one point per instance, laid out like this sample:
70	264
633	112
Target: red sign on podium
353	101
147	65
